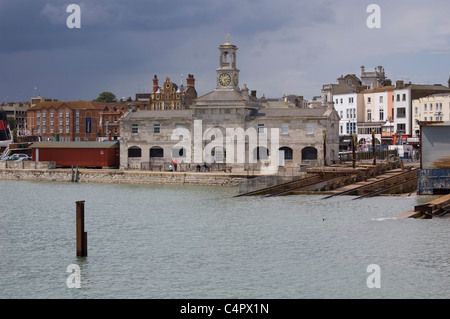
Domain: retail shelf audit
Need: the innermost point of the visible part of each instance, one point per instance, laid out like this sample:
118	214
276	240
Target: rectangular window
404	97
77	121
416	110
44	129
38	113
381	99
60	121
401	128
60	113
219	155
44	121
67	121
350	100
401	112
431	107
77	129
61	129
369	100
67	129
309	128
134	129
156	128
285	128
260	128
51	113
44	113
425	108
398	97
67	113
78	113
77	139
381	115
51	121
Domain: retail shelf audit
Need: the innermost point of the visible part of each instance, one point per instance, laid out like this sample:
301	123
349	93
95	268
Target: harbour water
174	241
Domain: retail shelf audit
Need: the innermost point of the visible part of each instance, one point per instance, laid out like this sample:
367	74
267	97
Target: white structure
346	105
434	107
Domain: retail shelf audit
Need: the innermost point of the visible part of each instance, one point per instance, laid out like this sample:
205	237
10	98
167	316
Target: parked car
7	158
19	157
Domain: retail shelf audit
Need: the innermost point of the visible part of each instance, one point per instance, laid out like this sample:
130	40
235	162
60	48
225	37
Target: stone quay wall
27	172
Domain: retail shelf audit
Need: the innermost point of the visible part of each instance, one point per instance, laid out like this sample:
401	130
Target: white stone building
228	128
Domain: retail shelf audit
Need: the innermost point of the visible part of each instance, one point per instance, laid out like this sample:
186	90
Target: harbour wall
28	172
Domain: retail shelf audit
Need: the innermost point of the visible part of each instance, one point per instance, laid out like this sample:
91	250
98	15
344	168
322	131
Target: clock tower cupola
227	73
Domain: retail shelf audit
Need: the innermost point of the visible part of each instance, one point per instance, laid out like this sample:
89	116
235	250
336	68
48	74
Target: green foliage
107	97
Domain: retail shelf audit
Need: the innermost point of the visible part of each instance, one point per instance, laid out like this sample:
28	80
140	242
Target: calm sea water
153	241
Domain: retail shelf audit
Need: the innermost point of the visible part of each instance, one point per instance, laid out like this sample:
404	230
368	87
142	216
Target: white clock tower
227	73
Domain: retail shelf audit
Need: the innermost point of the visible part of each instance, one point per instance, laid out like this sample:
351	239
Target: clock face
235	80
224	79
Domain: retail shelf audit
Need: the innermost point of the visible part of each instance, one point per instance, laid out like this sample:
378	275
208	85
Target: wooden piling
354	150
373	147
81	235
324	147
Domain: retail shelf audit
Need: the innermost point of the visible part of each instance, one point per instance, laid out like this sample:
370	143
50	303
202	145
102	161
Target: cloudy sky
284	46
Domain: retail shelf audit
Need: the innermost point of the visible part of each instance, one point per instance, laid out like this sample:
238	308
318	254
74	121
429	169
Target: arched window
218	154
134	151
156	151
178	152
261	153
288	153
309	153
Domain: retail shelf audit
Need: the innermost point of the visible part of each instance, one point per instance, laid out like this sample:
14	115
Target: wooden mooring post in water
81	234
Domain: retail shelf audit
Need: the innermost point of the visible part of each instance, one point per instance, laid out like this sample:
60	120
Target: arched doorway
134	152
309	153
156	151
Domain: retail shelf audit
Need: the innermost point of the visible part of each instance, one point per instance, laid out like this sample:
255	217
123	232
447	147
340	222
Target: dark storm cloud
122	44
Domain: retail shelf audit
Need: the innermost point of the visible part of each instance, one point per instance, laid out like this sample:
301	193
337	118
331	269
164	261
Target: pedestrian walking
175	164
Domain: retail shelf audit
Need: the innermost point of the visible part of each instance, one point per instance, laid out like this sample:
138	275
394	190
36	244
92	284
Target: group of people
202	168
174	165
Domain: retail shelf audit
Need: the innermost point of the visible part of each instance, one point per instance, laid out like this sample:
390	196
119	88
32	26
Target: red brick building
71	121
109	119
168	96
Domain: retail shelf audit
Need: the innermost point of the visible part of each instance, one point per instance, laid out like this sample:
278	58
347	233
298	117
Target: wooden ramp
392	182
437	207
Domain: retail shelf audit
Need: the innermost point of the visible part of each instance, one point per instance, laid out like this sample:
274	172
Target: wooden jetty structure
363	180
436	207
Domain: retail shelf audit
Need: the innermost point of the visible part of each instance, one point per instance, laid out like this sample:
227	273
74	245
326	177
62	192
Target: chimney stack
190	81
155	84
253	93
399	84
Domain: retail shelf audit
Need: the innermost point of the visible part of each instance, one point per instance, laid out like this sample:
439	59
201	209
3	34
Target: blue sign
88	125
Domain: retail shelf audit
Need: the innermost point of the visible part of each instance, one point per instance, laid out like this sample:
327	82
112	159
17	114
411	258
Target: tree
107	97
